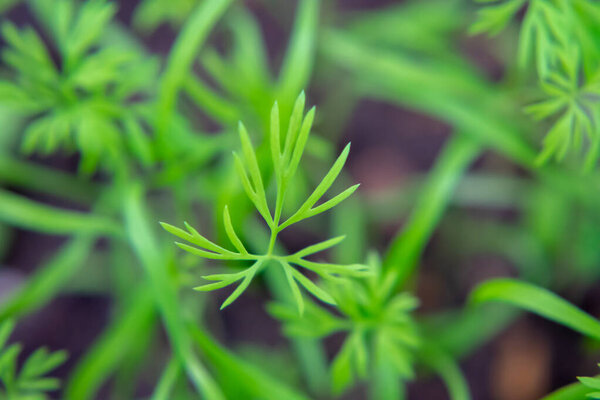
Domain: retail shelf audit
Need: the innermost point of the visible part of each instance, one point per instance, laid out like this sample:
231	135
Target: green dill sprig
29	382
83	101
546	24
285	164
576	104
378	333
560	37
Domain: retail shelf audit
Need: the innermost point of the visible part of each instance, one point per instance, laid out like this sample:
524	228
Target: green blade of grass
164	292
406	248
539	301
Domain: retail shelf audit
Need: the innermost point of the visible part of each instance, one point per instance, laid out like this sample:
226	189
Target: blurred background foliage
477	158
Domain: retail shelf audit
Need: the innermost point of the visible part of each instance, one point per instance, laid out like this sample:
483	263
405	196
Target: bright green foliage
29	382
84	102
378	333
547	24
561	36
285	165
577	104
593	384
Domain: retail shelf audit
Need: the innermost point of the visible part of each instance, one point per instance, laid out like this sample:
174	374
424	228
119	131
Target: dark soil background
390	144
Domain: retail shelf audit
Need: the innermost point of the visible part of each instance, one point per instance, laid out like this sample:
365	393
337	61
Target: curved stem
408	245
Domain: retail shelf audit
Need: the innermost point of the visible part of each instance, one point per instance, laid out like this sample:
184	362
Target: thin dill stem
410	241
277	217
181	58
272	240
167	380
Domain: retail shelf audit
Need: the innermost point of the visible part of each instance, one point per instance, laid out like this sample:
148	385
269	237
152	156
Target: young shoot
285	164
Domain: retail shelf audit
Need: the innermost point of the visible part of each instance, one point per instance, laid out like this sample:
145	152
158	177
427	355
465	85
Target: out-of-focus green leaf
539	301
20	211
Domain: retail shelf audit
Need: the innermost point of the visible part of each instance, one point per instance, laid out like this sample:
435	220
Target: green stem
42	179
309	351
182	56
385	384
112	347
448	370
247	380
167	381
408	245
164	291
24	213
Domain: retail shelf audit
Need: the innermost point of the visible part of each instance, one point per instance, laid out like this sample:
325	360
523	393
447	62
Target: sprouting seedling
285	165
81	101
377	332
30	381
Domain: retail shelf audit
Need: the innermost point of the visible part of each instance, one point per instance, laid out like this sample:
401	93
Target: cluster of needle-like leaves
559	36
380	332
285	165
546	25
577	104
29	382
83	100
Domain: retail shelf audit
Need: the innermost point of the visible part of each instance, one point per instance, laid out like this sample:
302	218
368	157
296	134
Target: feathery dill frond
286	154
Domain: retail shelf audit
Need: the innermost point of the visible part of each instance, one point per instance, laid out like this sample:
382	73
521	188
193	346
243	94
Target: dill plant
81	82
285	165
